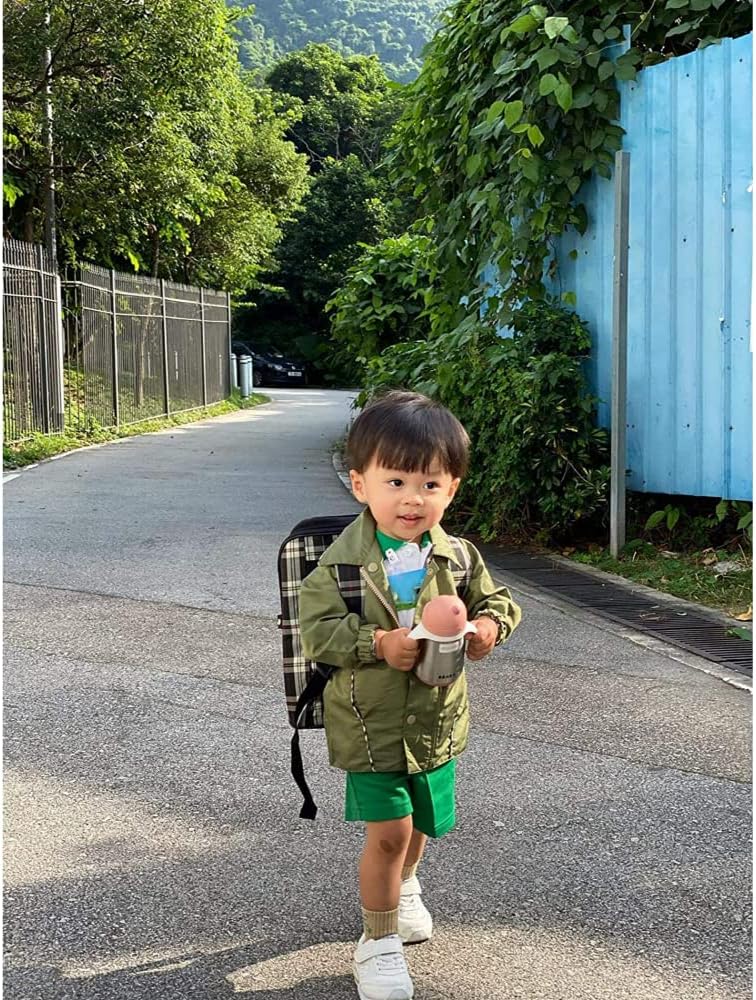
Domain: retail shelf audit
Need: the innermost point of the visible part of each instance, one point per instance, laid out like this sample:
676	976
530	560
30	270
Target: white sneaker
380	970
415	923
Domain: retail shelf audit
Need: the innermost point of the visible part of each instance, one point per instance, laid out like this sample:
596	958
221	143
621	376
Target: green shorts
428	797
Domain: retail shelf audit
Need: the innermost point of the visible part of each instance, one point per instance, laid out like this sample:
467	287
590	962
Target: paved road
153	848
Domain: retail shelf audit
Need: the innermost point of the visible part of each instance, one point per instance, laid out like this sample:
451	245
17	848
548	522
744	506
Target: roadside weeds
43	446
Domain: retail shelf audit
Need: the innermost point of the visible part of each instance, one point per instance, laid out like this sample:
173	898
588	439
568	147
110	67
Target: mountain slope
394	30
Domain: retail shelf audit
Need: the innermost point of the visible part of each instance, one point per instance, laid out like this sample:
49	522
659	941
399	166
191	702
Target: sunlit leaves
531	109
547	84
554	26
166	162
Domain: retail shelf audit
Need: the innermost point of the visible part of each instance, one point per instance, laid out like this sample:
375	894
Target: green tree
165	160
344	110
382	300
343	210
344	105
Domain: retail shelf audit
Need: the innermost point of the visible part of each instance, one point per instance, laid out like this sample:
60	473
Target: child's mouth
409	518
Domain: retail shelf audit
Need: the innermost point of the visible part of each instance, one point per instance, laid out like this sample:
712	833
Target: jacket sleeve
330	634
484	597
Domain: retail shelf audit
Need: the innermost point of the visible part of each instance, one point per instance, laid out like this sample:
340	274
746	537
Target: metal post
229	352
114	315
42	340
49	182
60	401
204	365
619	352
166	380
245	376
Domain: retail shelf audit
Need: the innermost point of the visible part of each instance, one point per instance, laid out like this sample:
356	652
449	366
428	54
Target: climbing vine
516	106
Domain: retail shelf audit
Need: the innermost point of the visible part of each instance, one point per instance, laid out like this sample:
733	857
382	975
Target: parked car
272	367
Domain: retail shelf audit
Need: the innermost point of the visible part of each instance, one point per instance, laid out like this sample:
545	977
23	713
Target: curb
341	472
730	677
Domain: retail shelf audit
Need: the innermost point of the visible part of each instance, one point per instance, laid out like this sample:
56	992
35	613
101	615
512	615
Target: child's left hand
480	643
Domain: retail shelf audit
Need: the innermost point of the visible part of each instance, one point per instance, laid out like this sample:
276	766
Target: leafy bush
538	464
383	299
689	523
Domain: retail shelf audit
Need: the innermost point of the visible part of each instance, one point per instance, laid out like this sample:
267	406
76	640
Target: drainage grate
695	631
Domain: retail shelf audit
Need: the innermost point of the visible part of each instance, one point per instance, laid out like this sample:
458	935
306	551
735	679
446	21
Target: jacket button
411	720
373	567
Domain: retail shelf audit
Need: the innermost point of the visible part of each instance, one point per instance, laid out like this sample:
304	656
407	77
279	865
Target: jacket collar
358	546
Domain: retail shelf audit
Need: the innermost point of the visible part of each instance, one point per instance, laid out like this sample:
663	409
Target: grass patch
42	446
694	576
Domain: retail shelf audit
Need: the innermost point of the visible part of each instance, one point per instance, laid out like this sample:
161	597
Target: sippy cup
443	626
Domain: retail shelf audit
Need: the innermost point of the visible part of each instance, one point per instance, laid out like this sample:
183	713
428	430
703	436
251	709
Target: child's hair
407	431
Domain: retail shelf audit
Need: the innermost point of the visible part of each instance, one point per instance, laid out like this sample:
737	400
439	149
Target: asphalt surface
153	847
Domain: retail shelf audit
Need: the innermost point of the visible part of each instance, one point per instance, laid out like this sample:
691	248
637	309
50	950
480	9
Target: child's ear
453	487
358	487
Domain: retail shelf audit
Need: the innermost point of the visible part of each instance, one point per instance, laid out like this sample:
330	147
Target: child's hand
483	641
396	649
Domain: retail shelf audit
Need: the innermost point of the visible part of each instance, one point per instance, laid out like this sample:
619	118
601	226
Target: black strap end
309	810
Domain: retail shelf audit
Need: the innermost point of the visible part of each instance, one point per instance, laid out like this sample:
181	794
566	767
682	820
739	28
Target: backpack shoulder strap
351	588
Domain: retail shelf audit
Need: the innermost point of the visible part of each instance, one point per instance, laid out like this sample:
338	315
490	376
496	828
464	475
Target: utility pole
618	485
50	229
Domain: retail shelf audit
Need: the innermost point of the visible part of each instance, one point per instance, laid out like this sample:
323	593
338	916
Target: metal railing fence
32	342
142	347
110	349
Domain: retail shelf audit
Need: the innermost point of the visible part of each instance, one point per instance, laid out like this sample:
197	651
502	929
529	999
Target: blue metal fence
690	383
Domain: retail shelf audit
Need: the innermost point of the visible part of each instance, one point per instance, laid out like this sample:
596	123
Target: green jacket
378	718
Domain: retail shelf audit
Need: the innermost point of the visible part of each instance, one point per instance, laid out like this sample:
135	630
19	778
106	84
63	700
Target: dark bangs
407	431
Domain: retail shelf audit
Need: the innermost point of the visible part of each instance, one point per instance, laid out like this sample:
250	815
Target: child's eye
431	486
395	482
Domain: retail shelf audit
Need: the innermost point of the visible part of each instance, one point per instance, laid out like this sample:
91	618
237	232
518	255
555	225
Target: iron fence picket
130	348
32	369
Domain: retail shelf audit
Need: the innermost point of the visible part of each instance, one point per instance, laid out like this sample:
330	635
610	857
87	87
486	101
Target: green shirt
405	564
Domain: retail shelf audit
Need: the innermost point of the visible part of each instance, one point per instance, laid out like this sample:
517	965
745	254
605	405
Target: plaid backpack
305	681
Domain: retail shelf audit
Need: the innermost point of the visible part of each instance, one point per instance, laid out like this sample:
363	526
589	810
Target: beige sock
409	870
378	923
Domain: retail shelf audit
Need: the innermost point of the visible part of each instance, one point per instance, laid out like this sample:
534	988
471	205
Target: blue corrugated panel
688	130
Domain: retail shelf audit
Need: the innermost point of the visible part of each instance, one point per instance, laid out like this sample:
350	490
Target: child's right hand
396	649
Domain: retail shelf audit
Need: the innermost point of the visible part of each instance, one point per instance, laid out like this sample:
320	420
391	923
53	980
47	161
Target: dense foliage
394	30
341	106
344	208
343	110
538	462
165	160
515	107
382	301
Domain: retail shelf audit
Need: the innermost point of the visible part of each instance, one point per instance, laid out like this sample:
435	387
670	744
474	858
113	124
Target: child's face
404	504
